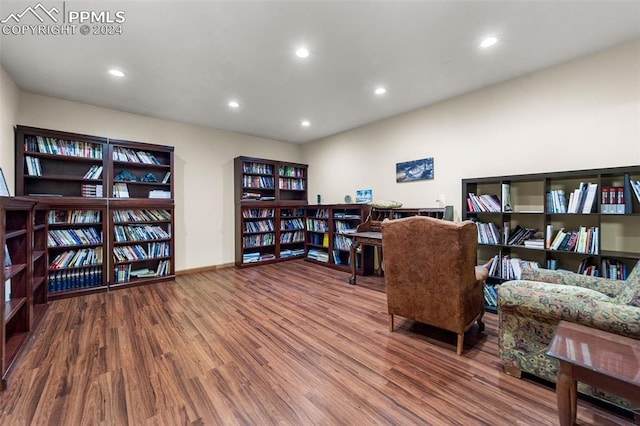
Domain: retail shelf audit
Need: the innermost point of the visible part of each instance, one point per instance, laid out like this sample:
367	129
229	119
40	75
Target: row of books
62	147
583	199
258	182
291	183
321	213
483	203
71	279
120	190
490	296
73	237
291	252
137	252
139	233
291	212
259	226
124	273
519	235
292	237
75	258
256	213
133	156
33	166
291	171
92	191
257	257
94	172
155	215
488	233
318	255
294	223
74	216
584	240
257	168
614	201
258	240
317	225
508	268
319	239
344	227
342	242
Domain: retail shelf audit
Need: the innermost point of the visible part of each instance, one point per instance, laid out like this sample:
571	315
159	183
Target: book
506	198
166	177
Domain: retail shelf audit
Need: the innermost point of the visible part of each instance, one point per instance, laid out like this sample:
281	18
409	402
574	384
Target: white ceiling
184	60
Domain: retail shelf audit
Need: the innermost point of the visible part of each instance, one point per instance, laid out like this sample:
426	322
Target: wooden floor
288	344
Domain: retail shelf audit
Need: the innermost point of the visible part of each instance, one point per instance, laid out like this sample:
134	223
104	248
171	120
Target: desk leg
354	249
566	392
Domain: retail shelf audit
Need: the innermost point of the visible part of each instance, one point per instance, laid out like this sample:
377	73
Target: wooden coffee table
604	360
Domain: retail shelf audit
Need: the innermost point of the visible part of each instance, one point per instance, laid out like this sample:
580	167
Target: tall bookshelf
17	308
270	196
328	240
607	235
75	175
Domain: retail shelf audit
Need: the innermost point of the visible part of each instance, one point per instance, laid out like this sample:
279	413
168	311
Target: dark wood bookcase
269	197
85	177
611	231
24	296
327	236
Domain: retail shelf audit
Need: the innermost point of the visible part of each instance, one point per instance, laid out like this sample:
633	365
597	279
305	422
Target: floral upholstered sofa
529	310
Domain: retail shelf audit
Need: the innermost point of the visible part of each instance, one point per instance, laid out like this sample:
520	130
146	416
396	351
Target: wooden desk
604	360
370	238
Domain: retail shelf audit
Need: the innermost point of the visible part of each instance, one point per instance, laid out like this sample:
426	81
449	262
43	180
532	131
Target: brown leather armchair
430	273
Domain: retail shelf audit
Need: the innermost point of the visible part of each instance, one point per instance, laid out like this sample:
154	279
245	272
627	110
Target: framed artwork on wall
409	171
4	189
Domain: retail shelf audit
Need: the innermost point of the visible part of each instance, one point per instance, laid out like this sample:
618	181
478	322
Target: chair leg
460	343
390	322
480	322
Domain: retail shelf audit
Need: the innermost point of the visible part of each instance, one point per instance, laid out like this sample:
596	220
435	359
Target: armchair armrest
603	285
551	303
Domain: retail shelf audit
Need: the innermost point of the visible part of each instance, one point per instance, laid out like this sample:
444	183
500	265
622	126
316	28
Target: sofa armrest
604	285
555	302
482	273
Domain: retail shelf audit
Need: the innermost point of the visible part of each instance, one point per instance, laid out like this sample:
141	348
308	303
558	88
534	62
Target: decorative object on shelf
385	204
414	170
363	195
149	177
348	199
4	189
124	175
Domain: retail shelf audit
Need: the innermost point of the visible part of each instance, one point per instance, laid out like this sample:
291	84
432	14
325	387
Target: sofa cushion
630	295
545	290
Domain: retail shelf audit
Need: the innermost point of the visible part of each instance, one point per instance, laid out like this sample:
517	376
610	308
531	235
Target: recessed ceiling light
116	72
488	42
380	91
233	104
302	52
305	123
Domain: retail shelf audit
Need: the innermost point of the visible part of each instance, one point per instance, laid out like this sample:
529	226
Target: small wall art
414	170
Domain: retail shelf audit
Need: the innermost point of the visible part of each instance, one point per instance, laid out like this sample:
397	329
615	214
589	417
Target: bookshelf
77	175
328	240
39	263
259	180
54	163
140	170
269	197
141	241
17	305
76	247
520	216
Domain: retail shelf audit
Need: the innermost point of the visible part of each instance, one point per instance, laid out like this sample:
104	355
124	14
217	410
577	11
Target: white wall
203	158
9	101
579	115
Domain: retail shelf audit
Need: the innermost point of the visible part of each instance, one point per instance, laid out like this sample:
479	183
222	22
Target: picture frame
4	189
363	196
409	171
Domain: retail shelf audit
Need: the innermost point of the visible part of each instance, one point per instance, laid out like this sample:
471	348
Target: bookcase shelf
82	173
23	292
596	236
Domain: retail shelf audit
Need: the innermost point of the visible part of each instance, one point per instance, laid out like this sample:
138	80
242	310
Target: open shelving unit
607	235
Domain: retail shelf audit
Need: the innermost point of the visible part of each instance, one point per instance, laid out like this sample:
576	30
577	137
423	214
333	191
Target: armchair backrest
430	271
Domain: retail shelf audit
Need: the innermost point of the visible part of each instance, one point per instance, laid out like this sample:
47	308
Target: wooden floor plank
290	343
